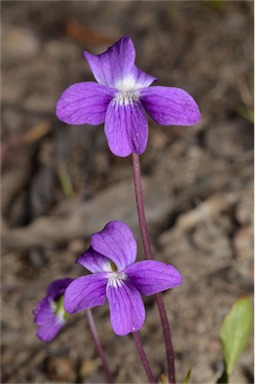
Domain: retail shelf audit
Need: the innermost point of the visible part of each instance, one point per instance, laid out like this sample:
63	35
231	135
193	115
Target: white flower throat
125	98
115	278
128	91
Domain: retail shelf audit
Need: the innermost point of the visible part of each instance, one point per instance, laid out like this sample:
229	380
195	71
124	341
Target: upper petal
134	80
85	292
94	261
114	64
84	103
170	106
126	127
143	80
58	287
151	277
116	241
127	312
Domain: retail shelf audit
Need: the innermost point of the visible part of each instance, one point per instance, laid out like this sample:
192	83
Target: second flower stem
98	346
148	255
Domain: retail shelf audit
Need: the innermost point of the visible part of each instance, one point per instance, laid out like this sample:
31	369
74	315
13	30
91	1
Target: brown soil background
60	183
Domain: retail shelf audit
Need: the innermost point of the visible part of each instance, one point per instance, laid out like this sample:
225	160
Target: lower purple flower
49	314
116	276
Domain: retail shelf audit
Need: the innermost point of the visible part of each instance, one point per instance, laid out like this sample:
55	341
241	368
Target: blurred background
60	183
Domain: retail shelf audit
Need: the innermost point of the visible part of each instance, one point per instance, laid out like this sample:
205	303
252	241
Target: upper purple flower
49	314
120	97
111	259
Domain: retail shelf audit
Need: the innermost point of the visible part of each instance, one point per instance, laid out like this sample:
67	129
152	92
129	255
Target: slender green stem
98	346
148	255
143	357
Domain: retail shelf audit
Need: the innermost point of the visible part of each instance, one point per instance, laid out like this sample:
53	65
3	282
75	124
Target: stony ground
60	183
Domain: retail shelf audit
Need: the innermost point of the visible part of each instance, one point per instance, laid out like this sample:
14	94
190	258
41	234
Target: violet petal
135	80
94	261
49	324
116	241
58	287
84	103
126	128
127	312
150	277
142	79
85	292
170	106
113	65
47	332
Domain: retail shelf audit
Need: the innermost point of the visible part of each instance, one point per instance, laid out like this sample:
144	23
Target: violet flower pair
120	98
115	276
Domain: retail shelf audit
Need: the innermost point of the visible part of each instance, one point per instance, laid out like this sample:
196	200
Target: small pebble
61	369
76	246
88	367
19	43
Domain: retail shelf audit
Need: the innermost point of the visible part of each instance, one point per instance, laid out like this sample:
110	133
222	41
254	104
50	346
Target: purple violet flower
120	97
116	276
49	314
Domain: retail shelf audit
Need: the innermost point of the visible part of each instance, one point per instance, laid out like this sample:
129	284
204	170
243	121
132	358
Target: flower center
128	91
126	97
115	279
58	308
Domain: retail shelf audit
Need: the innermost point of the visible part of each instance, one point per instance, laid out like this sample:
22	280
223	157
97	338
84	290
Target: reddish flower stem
98	345
143	357
148	255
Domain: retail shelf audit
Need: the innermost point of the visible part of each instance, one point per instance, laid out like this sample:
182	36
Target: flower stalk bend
148	255
98	346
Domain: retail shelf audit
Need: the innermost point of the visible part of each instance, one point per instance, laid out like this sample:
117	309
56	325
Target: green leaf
64	178
246	113
235	331
187	378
